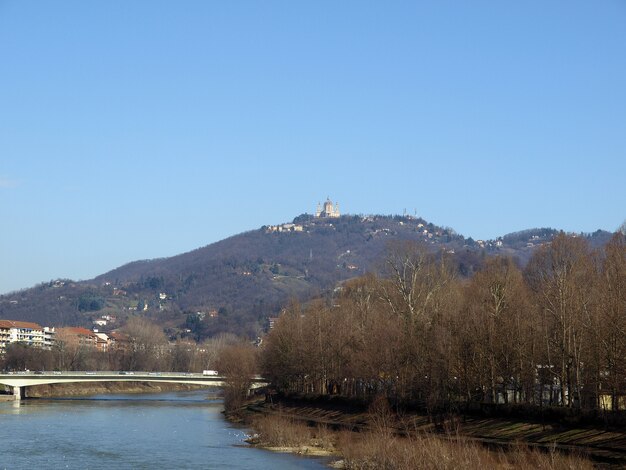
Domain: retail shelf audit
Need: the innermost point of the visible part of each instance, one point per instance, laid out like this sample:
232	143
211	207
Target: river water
180	430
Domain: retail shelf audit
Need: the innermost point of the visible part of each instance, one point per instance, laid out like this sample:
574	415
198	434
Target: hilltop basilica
328	209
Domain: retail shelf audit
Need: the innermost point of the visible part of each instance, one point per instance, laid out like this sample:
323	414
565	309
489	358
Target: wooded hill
236	284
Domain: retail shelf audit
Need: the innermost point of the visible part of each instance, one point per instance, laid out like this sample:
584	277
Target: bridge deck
19	380
23	379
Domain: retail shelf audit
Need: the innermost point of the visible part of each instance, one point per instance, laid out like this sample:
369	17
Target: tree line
146	348
550	334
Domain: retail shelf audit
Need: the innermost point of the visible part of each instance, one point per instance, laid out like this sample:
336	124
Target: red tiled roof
117	336
76	330
19	324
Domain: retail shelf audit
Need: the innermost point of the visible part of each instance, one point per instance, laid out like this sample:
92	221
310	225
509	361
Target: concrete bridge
18	381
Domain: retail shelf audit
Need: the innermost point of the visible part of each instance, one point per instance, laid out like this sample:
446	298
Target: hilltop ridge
236	284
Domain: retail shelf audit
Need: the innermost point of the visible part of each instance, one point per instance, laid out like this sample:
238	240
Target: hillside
236	284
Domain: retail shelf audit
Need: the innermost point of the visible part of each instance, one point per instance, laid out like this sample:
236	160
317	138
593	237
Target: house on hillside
272	321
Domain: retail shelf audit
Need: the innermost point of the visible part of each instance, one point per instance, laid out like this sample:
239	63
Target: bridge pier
18	392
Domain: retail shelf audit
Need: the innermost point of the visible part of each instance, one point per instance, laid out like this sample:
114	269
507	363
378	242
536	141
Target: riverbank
98	388
327	428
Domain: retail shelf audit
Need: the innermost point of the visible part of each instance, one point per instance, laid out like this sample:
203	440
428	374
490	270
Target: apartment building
32	334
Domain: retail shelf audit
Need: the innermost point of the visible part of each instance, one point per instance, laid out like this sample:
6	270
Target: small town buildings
77	335
119	340
32	334
5	335
285	228
102	341
48	337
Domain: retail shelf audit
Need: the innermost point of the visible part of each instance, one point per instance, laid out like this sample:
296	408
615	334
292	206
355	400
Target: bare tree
613	316
148	345
414	278
68	352
415	291
238	363
561	275
495	309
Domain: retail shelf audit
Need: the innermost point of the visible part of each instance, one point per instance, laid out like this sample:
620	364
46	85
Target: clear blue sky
141	129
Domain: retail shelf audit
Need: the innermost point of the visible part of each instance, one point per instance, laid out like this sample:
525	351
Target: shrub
279	431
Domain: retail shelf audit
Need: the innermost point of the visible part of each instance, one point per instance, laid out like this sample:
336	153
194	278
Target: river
179	430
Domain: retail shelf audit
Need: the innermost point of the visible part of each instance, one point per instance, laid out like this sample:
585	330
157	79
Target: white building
12	331
328	209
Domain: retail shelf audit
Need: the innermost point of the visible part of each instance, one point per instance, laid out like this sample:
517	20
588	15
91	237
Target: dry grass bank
380	449
375	451
287	435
